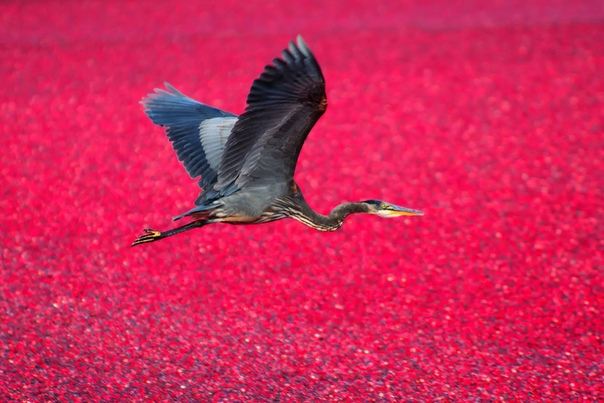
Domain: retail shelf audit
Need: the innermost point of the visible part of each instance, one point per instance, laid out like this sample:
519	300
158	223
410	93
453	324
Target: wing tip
297	49
159	93
302	44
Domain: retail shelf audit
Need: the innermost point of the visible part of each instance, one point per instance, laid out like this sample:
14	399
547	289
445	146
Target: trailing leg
152	235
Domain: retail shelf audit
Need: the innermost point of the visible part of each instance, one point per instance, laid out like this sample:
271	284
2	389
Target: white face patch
213	134
386	213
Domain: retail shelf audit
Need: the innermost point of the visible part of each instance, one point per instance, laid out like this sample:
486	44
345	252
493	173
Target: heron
246	163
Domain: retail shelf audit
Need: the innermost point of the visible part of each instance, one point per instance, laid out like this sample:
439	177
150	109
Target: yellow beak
404	211
397	211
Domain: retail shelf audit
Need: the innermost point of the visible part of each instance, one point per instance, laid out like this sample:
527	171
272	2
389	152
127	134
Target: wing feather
198	132
284	103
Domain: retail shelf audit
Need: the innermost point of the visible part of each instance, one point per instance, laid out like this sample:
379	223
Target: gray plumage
246	163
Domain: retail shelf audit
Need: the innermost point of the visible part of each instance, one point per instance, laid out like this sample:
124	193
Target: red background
488	116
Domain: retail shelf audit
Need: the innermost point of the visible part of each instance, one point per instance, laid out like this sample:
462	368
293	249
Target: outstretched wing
198	132
283	105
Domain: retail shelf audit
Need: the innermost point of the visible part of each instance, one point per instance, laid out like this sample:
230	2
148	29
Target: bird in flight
246	163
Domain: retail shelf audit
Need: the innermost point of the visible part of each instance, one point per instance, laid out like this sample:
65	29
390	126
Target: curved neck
330	222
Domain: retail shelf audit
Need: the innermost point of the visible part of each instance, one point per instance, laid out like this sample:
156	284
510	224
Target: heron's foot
149	236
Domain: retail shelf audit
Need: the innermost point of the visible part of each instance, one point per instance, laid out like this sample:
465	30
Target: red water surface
488	116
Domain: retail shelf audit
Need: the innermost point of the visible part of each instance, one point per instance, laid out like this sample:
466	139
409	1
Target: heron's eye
384	207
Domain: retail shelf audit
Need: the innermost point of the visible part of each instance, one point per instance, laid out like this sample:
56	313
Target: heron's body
246	163
237	208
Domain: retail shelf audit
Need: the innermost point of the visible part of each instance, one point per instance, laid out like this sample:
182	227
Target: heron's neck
330	222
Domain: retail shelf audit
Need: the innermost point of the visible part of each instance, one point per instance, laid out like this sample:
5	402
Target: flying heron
246	163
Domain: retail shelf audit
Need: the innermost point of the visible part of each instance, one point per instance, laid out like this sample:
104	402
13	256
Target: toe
149	236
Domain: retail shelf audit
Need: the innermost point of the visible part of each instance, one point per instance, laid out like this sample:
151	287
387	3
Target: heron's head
388	210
